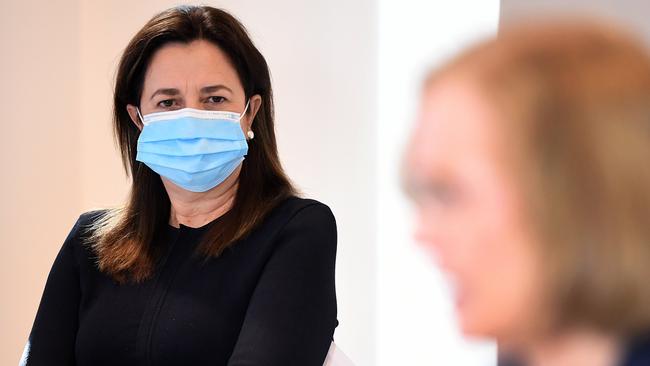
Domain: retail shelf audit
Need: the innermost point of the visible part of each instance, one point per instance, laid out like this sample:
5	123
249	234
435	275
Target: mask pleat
188	128
197	182
191	147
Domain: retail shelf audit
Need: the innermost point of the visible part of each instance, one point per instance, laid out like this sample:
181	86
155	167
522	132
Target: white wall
415	320
38	154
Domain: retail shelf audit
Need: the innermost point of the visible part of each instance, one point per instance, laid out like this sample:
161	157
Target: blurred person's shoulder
638	351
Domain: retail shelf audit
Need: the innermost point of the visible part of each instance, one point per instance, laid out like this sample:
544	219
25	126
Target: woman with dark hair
213	259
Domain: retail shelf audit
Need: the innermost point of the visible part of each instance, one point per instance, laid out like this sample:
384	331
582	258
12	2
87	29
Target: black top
267	300
637	353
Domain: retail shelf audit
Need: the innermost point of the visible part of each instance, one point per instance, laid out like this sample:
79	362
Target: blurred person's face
470	211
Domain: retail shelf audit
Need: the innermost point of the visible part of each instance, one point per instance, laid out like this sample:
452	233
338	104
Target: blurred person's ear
135	117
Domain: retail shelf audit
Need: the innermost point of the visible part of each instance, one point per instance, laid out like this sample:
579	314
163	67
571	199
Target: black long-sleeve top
636	352
267	300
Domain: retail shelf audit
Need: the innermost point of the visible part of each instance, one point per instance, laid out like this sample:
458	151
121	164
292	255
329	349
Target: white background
415	319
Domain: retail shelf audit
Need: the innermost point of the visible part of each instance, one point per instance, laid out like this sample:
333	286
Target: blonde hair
575	102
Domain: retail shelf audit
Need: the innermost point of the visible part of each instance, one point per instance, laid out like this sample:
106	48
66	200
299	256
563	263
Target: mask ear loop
139	115
250	134
245	110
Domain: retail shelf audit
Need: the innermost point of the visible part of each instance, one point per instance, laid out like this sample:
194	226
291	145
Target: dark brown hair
123	238
574	98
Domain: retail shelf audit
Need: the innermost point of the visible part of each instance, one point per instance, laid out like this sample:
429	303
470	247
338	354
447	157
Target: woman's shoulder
296	217
299	230
76	249
298	208
86	222
89	218
82	229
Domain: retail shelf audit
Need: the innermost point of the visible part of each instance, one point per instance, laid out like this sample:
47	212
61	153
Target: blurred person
213	259
529	167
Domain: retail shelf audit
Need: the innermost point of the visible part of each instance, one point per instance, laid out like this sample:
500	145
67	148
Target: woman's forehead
455	115
190	65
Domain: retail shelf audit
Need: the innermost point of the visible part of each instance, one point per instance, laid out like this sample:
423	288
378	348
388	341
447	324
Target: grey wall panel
632	14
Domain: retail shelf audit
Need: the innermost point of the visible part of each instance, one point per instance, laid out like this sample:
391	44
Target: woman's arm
52	339
292	314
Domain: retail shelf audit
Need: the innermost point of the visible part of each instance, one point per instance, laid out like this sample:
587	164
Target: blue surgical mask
195	149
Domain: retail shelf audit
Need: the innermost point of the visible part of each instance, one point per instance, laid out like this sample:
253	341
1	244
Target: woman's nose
427	229
195	104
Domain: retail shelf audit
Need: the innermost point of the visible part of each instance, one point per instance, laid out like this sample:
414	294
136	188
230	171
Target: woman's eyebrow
214	88
166	91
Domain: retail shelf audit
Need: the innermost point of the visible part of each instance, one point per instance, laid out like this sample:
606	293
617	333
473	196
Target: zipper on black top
167	270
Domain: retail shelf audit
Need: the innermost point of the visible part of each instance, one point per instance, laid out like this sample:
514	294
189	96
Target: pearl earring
251	134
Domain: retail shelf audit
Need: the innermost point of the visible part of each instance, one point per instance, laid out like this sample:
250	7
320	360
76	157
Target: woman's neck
575	348
195	209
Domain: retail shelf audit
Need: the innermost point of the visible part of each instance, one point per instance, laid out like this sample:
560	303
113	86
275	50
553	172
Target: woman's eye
216	99
441	193
167	103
